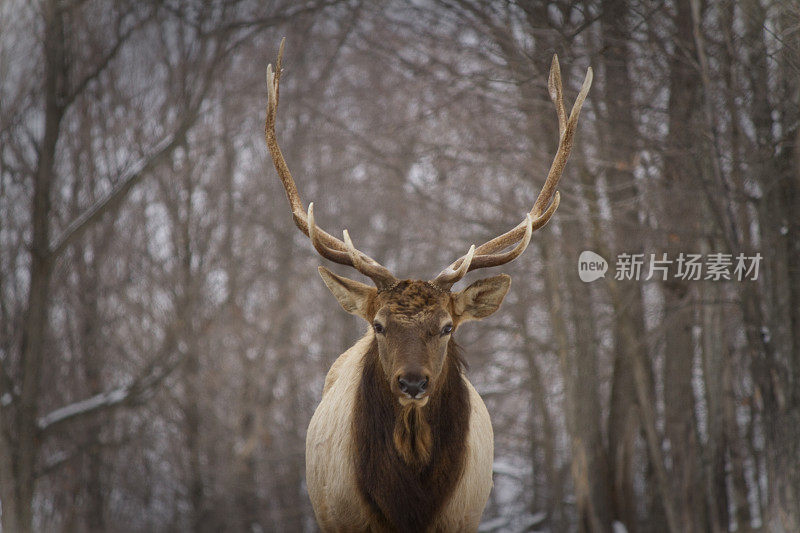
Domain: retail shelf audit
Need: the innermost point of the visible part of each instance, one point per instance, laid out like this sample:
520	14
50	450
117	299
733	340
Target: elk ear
481	299
353	296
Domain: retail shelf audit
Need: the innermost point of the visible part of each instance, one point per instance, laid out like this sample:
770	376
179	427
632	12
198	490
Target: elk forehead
410	300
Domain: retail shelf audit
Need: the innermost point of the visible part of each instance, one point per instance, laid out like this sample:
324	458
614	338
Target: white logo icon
591	266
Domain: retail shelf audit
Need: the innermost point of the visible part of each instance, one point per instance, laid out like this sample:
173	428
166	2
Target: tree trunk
559	328
772	329
682	216
547	440
35	322
631	374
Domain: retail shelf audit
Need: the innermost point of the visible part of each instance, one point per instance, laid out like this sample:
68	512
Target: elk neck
409	458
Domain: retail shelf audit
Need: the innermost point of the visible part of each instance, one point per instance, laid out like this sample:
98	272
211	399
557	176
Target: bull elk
401	441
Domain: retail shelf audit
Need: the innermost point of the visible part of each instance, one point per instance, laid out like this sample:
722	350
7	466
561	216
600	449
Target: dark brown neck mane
405	491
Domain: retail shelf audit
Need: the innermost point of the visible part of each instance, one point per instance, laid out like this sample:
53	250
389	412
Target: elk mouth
407	401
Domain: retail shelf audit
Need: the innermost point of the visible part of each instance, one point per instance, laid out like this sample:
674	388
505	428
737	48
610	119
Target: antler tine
487	253
381	275
450	275
314	233
566	134
327	245
484	261
351	257
554	88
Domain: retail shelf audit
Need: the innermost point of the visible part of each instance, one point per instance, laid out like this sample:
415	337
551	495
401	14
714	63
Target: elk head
413	320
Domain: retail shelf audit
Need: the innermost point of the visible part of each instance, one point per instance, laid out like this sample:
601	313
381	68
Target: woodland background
164	334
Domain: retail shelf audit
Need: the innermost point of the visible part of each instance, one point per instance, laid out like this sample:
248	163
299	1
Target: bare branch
81	223
90	405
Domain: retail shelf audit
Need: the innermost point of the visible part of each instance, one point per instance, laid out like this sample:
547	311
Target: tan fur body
330	464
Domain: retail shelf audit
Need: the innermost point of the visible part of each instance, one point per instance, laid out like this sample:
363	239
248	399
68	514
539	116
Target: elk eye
447	330
378	327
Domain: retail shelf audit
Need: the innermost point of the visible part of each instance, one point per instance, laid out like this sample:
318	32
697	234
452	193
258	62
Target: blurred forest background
164	334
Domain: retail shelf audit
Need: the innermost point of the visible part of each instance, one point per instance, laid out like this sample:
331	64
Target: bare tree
159	361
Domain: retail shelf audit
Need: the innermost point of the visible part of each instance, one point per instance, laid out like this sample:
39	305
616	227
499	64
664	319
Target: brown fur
406	480
412	298
412	436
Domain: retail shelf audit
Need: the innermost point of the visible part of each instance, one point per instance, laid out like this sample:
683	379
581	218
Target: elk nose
413	384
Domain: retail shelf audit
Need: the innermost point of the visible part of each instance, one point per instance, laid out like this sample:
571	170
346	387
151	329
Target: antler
490	253
327	245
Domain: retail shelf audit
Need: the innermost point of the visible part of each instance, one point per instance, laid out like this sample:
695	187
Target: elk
401	441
